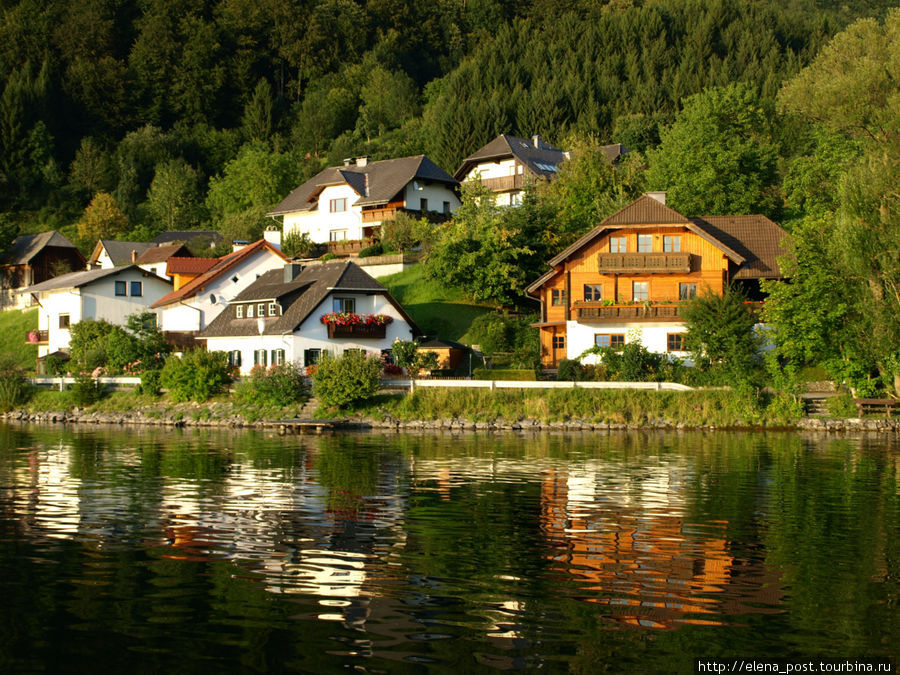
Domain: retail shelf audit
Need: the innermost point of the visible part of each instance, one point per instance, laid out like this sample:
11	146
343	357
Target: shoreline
177	419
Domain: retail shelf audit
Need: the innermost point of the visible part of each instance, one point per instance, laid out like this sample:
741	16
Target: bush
403	353
841	406
86	390
508	374
14	387
569	370
297	244
511	336
280	386
198	375
151	381
374	249
343	380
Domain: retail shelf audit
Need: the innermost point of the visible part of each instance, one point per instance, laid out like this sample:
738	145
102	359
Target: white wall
492	169
313	334
196	312
435	193
653	335
97	300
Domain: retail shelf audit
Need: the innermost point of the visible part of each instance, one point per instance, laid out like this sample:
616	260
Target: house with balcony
32	259
190	308
344	204
508	164
626	279
297	313
112	294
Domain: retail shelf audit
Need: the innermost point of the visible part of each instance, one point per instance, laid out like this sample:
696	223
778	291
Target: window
423	204
687	291
121	288
137	289
239	311
355	350
212	298
338	205
593	292
64	321
671	244
337	235
446	208
614	340
234	358
249	311
640	290
278	357
273	309
261	310
259	357
559	342
675	342
343	305
645	243
618	245
515	198
234	279
311	356
558	298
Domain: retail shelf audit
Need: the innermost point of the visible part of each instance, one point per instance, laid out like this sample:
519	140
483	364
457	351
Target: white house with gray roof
110	294
278	318
349	202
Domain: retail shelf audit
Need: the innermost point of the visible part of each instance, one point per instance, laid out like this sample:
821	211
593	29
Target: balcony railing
504	183
363	332
346	247
644	263
37	337
595	313
377	215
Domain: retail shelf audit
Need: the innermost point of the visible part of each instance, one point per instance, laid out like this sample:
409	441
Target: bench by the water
301	426
876	405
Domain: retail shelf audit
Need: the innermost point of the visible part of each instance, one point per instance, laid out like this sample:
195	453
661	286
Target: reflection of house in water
632	548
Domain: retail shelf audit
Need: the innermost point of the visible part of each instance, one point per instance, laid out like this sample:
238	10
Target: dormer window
273	309
249	311
261	309
343	305
239	311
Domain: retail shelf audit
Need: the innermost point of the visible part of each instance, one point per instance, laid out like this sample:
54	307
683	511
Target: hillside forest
125	118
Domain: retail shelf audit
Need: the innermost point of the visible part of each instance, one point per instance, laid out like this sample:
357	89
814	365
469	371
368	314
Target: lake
159	550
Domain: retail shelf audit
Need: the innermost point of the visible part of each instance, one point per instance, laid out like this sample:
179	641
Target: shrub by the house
346	379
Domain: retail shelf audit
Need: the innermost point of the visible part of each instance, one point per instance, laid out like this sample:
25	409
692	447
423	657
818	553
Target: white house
110	294
348	203
508	164
279	318
109	253
190	309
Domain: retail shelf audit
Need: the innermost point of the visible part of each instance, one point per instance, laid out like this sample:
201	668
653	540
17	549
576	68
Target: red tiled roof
223	265
179	265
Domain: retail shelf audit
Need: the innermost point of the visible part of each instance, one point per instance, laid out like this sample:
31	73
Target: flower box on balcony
351	325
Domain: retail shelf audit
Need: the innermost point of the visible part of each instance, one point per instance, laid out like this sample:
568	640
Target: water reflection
480	552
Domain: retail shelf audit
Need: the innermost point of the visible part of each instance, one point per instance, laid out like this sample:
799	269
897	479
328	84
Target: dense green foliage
14	389
134	348
196	376
278	386
346	379
505	374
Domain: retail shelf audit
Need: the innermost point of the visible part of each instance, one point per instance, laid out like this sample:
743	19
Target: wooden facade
636	267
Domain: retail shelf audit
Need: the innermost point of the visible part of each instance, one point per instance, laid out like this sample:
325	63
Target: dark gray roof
442	344
185	236
120	251
376	183
534	156
27	246
614	152
298	298
79	279
162	253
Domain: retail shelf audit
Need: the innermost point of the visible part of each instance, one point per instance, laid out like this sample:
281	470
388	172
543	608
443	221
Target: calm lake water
149	550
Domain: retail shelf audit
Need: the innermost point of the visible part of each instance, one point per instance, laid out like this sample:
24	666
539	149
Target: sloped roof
756	238
523	149
180	265
442	344
614	152
184	236
79	279
298	298
645	210
157	254
376	182
223	265
27	246
119	252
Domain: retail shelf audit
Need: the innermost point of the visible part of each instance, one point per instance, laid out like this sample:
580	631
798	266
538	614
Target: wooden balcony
37	337
347	247
360	332
504	183
377	215
597	313
645	263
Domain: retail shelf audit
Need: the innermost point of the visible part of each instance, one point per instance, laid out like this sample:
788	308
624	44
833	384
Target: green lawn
14	326
436	307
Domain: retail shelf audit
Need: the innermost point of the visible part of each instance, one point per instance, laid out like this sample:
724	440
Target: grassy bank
14	327
620	406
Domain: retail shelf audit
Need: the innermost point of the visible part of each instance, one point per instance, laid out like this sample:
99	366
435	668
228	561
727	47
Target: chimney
362	161
536	140
273	236
133	256
659	196
238	244
348	161
291	270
